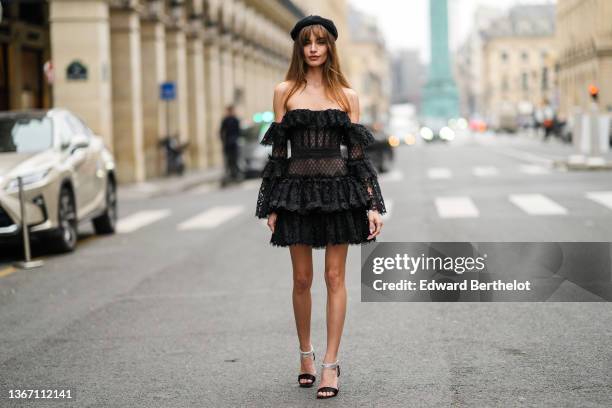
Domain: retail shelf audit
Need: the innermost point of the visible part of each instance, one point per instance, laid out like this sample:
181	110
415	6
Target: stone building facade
519	65
584	39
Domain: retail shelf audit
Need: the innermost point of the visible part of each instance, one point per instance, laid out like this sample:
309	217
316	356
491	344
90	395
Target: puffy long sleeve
360	166
275	169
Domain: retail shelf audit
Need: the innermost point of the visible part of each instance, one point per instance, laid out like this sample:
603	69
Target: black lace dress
320	197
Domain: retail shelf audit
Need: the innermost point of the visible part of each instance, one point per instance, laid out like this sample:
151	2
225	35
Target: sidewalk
170	185
555	152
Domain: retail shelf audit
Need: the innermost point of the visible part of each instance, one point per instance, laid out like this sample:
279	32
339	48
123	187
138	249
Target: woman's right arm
279	150
276	166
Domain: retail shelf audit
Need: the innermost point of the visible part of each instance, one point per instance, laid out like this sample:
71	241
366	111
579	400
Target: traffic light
594	92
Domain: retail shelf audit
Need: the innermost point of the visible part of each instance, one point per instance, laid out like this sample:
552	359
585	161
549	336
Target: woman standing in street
317	198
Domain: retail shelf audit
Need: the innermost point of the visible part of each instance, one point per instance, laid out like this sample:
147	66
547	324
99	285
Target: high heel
307	376
335	391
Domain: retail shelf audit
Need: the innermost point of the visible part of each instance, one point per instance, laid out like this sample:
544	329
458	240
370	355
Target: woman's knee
302	282
334	278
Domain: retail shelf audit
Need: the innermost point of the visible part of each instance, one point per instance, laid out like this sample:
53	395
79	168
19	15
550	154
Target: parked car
253	156
68	177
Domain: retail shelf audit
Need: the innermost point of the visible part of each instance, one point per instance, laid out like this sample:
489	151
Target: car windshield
251	134
24	135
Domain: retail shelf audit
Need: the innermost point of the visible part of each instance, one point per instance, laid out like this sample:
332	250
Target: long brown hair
333	78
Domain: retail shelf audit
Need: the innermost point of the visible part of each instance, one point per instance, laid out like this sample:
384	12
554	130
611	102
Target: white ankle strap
307	353
330	365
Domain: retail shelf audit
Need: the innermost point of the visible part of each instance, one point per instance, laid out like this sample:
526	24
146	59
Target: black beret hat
311	20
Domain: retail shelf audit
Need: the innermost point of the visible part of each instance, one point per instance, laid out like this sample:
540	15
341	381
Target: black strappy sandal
307	376
335	391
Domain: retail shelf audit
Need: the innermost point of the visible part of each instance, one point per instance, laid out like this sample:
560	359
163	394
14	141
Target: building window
525	81
504	56
545	78
525	56
505	84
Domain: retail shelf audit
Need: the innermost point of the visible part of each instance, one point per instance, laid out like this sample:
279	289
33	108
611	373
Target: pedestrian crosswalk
480	171
537	204
443	206
439	173
601	197
211	218
531	204
140	219
485	171
456	207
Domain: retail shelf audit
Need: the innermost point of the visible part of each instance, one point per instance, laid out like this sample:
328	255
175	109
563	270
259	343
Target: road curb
170	185
568	164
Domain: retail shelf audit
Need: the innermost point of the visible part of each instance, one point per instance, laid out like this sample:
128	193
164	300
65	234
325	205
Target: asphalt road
190	306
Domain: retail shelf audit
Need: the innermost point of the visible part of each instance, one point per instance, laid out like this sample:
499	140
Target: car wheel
66	234
106	223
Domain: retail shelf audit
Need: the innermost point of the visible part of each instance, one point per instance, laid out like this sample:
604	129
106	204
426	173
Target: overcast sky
405	23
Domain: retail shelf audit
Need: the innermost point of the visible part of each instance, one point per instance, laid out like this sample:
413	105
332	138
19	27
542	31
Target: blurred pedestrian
548	116
230	132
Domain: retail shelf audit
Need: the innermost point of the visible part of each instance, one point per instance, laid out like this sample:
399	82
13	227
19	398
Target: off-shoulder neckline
296	110
315	110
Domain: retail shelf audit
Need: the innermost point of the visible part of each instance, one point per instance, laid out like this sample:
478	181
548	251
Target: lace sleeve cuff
274	135
359	165
364	170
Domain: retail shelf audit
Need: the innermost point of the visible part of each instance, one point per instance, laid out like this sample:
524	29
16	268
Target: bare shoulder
353	100
282	88
350	93
280	91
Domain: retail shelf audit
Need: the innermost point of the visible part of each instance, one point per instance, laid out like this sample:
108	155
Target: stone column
197	100
80	32
176	66
127	95
227	71
250	93
153	49
239	76
212	71
261	84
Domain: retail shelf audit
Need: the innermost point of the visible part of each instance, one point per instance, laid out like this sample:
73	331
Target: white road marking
439	173
456	207
537	204
485	171
212	217
393	175
601	197
140	219
533	169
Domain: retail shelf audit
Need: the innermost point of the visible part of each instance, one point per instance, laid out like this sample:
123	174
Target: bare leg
301	259
335	266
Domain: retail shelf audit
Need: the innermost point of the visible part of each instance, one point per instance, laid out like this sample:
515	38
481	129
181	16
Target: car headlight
447	133
27	179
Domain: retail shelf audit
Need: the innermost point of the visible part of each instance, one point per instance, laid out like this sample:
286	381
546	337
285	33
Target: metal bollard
28	263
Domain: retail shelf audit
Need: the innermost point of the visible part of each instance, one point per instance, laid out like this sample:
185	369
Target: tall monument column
440	96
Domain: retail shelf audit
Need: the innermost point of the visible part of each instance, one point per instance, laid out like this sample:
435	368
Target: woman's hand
376	223
272	221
